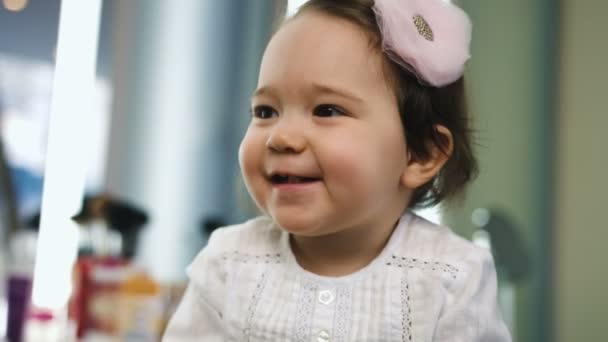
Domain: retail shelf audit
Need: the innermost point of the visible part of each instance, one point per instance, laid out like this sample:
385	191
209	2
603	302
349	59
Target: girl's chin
300	227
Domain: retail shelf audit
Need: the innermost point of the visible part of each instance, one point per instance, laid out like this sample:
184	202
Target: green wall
511	81
581	274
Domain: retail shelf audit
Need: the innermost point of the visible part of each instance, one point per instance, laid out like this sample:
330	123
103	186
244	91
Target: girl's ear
418	172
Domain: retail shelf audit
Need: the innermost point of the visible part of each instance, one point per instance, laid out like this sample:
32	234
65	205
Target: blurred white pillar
183	72
65	170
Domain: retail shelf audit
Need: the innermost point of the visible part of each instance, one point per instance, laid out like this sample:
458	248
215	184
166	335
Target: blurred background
119	128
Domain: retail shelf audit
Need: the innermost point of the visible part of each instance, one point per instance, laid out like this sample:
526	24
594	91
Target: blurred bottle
97	275
22	256
106	284
46	325
140	308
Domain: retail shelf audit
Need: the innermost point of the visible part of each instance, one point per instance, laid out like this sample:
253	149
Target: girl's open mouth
280	179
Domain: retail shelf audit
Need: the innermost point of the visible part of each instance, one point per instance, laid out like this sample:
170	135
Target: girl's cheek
250	152
346	162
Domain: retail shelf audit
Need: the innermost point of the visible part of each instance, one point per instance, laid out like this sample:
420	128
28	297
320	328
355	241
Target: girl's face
325	150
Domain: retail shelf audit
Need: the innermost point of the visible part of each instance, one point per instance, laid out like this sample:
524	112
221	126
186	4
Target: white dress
427	284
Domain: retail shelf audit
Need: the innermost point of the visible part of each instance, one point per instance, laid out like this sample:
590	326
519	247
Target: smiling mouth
279	179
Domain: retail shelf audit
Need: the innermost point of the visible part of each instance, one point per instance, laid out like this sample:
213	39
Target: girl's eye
264	112
328	111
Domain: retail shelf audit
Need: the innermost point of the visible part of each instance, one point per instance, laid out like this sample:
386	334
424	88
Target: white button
326	297
323	336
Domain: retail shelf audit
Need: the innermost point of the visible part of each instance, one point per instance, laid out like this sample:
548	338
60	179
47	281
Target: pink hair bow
430	38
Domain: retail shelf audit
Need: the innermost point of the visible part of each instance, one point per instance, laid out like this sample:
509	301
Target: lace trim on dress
255	299
305	311
406	310
244	258
423	265
343	314
268	258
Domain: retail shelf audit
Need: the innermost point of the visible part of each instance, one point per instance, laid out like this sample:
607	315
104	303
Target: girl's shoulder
256	237
439	240
430	243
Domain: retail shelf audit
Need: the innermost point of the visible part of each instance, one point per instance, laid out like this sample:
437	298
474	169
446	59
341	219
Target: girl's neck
341	253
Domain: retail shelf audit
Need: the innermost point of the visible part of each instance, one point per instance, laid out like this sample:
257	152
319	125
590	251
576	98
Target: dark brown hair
421	108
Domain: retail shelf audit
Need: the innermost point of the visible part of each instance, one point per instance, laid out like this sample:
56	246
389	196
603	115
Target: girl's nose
284	139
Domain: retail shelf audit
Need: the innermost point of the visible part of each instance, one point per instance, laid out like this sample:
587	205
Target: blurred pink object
431	38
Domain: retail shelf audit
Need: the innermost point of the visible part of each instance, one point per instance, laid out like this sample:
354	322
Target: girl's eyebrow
264	91
323	89
316	88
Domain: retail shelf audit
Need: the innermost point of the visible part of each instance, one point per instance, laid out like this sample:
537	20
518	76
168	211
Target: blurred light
293	5
15	5
432	214
480	217
482	239
67	151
